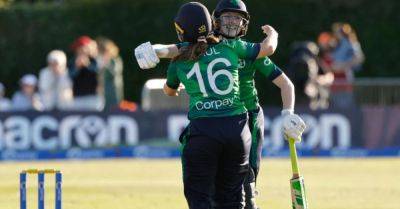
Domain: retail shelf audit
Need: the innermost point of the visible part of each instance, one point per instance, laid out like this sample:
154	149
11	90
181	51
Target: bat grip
293	157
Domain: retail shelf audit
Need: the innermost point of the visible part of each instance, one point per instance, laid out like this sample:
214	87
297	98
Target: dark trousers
215	158
256	124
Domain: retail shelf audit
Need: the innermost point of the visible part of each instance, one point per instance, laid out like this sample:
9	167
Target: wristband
285	112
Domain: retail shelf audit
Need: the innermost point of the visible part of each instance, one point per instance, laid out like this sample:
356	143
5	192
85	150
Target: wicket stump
41	188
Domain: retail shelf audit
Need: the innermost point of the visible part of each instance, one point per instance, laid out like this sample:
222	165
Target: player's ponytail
194	50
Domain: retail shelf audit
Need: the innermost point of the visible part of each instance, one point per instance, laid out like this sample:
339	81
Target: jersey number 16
212	77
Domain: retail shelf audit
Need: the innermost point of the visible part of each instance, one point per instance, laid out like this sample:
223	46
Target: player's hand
293	126
269	30
146	56
270	43
180	87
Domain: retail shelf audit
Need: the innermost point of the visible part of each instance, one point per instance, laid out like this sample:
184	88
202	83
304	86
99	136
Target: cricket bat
299	200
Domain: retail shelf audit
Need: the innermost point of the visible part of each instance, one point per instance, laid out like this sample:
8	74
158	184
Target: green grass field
156	184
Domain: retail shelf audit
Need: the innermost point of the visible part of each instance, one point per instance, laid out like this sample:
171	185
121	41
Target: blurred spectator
27	98
302	66
111	67
310	80
55	86
5	103
347	57
83	70
326	44
324	80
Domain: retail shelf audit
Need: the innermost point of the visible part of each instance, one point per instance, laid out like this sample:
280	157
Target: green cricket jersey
247	69
212	82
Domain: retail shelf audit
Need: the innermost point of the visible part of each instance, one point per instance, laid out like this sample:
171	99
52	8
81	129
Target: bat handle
293	158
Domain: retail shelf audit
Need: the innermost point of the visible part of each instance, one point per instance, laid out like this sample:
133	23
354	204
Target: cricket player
216	145
231	20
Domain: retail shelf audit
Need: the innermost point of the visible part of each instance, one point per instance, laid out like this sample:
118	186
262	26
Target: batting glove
146	56
293	125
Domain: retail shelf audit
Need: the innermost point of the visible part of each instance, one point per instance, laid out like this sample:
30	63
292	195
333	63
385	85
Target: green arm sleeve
245	50
267	68
181	44
172	76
